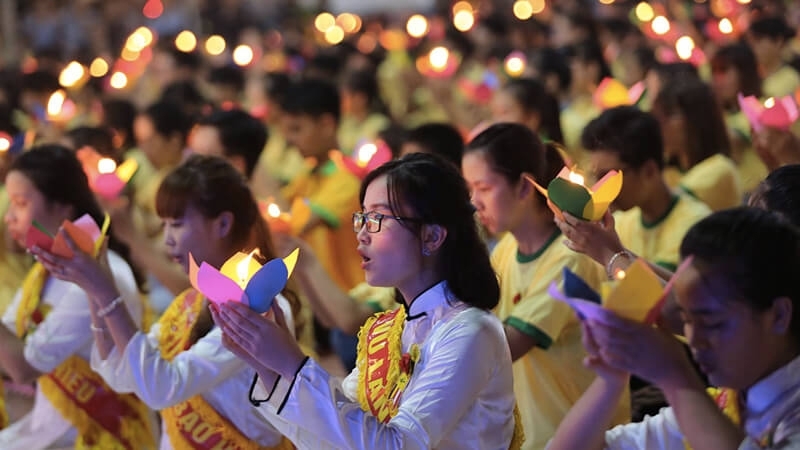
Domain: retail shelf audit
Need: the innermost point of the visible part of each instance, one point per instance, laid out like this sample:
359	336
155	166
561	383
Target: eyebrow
375	206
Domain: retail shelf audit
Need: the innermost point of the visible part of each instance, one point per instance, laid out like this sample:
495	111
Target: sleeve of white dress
659	432
459	365
140	369
64	331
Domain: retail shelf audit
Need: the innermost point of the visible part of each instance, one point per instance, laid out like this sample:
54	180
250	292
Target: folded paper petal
751	108
636	294
269	281
781	115
38	237
583	308
568	196
217	287
575	287
604	192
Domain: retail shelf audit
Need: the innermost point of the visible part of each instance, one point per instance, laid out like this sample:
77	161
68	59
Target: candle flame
576	178
5	143
620	274
106	165
243	268
365	153
56	102
274	210
770	102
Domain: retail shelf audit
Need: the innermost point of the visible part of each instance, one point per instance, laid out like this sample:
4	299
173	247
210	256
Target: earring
426	251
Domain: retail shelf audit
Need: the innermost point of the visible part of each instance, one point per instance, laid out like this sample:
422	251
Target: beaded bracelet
97	329
102	312
613	259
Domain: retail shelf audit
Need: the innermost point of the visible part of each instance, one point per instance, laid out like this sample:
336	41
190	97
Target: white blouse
460	395
206	369
772	417
64	332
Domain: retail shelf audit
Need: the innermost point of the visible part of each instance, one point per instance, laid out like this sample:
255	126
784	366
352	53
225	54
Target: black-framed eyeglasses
372	220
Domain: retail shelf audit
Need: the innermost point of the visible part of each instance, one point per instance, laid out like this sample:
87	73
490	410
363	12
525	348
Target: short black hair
168	118
773	27
632	134
312	97
240	134
749	255
441	139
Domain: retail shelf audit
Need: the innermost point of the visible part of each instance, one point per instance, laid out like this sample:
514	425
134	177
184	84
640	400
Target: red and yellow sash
103	418
194	424
384	371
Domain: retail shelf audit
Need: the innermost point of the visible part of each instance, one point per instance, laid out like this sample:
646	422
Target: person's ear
433	237
524	187
782	311
223	224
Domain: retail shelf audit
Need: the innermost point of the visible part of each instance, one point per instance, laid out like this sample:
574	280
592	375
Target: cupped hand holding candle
243	279
567	192
84	231
778	113
636	293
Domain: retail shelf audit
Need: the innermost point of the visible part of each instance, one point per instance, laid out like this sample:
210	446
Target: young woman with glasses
433	374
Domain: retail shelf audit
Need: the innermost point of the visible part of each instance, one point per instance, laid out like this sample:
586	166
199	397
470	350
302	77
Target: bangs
172	198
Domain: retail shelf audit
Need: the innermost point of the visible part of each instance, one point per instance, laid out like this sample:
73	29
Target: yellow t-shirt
279	159
332	195
550	378
751	169
352	131
715	181
660	242
784	81
378	298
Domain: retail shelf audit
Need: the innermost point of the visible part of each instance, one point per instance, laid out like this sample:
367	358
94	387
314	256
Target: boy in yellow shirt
651	218
311	111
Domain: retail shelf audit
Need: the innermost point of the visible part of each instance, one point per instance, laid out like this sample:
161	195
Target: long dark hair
532	96
705	126
211	185
748	255
435	193
58	175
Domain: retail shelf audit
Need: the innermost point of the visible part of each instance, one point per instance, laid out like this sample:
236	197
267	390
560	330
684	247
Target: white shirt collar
427	301
764	393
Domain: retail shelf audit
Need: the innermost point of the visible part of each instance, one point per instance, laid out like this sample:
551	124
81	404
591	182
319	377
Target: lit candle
278	221
242	279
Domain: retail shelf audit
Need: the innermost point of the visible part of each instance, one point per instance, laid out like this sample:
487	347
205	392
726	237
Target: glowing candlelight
5	142
56	103
725	26
576	178
106	165
417	26
274	210
769	103
243	55
243	269
365	154
438	58
660	25
515	63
